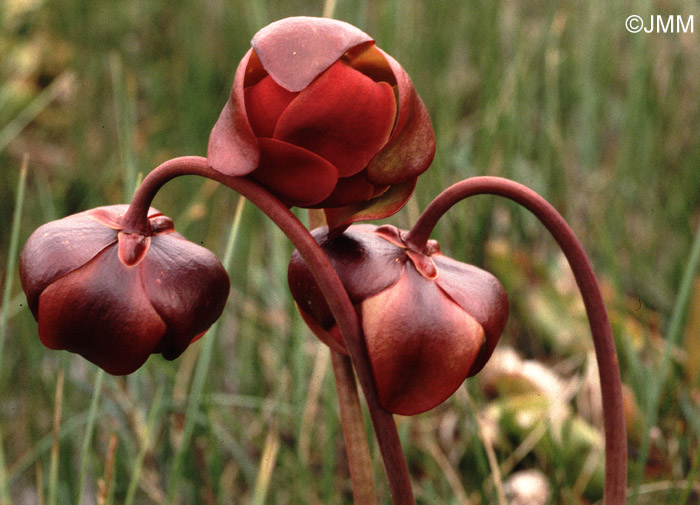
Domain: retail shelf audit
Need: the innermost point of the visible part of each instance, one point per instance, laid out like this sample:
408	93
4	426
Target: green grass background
556	95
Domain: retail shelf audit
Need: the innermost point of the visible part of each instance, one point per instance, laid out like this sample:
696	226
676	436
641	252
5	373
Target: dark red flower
323	118
429	321
116	297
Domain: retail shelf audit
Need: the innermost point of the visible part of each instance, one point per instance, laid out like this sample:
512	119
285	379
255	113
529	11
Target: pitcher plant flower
116	297
429	321
323	118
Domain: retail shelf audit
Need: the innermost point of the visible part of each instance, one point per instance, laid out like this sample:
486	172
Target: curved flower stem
610	383
135	221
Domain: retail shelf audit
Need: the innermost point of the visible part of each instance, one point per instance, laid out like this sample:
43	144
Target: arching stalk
611	386
135	221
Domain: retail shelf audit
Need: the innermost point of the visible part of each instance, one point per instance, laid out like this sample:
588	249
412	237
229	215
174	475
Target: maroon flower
323	118
429	321
116	297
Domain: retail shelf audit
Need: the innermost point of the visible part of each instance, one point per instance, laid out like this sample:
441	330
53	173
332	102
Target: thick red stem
611	386
135	221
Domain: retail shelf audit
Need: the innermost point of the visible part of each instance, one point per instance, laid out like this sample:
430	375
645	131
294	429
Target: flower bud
429	321
115	297
323	118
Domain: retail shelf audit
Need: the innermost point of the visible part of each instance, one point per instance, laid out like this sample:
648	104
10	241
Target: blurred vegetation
556	95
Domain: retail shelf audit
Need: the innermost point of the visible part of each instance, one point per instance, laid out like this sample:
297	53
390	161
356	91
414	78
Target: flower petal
343	116
413	331
188	287
349	190
296	176
365	263
101	312
380	207
264	103
481	295
411	148
296	50
233	148
59	247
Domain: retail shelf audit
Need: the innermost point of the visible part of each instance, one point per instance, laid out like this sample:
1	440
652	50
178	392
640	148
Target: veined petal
233	148
296	50
343	116
187	286
481	295
411	148
296	176
412	331
101	312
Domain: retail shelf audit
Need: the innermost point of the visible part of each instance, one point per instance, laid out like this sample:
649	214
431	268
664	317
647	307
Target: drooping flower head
116	297
324	119
429	321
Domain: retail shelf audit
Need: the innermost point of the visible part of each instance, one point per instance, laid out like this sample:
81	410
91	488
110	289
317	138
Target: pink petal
411	149
187	286
380	207
343	116
265	102
296	176
481	295
295	50
421	344
233	148
100	311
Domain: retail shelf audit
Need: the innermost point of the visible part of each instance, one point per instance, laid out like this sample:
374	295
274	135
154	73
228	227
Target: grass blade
146	445
90	428
675	330
202	368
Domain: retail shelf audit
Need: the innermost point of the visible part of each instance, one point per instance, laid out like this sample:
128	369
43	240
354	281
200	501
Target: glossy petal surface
296	50
59	247
187	286
390	202
366	263
412	145
233	148
265	102
421	344
101	312
343	116
296	176
481	295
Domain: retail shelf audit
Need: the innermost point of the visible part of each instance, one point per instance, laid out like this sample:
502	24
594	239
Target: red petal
421	344
377	208
59	247
187	286
101	312
369	60
343	116
233	148
296	176
365	263
349	190
296	50
481	295
411	149
265	102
